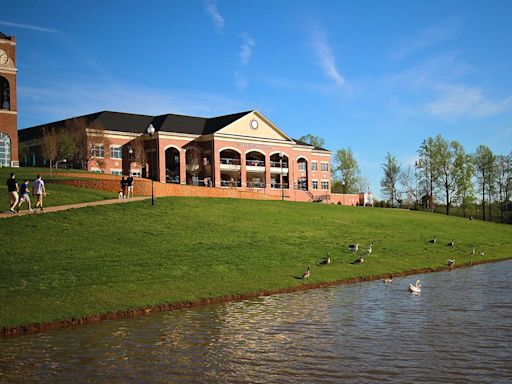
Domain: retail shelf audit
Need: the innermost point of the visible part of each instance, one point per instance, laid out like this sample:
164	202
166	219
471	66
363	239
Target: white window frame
135	172
100	149
5	142
117	172
314	184
96	170
314	166
324	166
302	167
325	185
115	148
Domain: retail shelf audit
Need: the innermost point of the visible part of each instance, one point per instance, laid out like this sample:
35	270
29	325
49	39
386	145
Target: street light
151	131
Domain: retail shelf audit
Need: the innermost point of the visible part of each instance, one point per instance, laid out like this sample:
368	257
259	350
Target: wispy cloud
26	26
246	49
456	101
426	38
241	82
218	20
325	57
62	98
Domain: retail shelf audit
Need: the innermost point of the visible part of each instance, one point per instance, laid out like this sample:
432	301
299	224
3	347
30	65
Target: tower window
5	150
5	94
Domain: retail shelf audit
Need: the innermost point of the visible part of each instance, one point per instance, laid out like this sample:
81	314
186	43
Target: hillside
113	258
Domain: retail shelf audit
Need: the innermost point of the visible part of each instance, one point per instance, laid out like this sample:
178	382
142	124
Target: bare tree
409	180
50	144
389	181
86	138
139	152
504	181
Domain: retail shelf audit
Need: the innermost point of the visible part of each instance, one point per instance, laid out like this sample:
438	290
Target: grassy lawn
57	194
101	259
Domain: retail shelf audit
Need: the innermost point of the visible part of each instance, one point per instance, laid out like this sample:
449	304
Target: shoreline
14	331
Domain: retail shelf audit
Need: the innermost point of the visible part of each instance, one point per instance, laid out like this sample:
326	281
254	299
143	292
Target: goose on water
415	288
306	274
388	279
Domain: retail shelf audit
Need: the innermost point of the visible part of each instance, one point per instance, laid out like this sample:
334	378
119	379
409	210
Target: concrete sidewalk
57	208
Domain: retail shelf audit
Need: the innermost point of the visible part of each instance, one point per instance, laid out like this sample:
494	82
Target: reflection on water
458	330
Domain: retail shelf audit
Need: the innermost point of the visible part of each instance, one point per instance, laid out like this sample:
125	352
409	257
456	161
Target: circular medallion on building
3	57
254	124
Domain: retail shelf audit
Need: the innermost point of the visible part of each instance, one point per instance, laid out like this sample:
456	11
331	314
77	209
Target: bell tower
8	104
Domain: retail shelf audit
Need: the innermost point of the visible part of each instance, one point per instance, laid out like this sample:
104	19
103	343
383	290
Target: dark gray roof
4	36
309	145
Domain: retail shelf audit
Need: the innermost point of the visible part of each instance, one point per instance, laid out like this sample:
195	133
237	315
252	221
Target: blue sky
378	76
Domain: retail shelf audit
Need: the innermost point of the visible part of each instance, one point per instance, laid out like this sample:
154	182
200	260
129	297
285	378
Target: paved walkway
73	206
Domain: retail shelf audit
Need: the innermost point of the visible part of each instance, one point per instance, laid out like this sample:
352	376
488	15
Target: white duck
415	288
306	274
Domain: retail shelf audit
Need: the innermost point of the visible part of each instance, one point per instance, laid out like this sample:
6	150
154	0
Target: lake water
458	330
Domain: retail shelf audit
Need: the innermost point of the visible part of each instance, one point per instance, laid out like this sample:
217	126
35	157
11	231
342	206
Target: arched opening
302	180
5	94
255	169
230	174
172	165
5	150
279	171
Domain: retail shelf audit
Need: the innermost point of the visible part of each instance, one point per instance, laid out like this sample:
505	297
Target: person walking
129	184
12	189
24	196
39	191
123	187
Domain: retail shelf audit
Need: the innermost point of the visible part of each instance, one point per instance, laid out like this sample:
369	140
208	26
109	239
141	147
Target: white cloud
218	20
325	57
26	26
60	99
246	48
241	82
455	101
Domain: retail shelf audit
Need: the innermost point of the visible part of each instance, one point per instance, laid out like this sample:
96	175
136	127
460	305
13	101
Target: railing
255	184
225	160
230	183
278	185
277	164
255	163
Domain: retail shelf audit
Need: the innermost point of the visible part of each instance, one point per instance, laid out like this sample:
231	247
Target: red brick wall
345	199
8	120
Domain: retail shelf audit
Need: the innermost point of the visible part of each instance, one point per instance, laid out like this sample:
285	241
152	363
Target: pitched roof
310	145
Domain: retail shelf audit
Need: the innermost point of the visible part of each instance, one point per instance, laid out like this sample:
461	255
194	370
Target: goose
450	262
473	251
433	241
451	243
415	288
388	279
359	260
482	254
306	274
326	260
353	247
369	250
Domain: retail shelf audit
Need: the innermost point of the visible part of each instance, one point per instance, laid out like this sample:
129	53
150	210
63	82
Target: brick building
8	105
242	150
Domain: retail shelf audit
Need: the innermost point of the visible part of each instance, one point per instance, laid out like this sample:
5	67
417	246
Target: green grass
57	194
109	258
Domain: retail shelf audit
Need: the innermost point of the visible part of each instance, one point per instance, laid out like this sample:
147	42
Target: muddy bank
39	327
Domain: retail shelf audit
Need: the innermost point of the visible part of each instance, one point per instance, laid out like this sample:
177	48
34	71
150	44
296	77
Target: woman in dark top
12	189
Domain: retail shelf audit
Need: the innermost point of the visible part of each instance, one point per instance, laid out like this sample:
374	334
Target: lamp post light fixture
60	161
151	132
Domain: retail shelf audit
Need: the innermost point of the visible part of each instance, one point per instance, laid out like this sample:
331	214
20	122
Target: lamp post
282	178
151	131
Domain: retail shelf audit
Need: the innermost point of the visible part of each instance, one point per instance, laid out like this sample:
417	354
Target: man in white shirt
38	190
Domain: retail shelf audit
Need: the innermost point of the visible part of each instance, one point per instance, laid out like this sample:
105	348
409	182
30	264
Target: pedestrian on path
129	184
123	187
24	196
38	190
12	189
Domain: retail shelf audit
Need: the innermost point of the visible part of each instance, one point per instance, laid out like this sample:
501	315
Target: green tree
484	163
465	190
346	170
504	181
317	141
426	165
389	181
409	179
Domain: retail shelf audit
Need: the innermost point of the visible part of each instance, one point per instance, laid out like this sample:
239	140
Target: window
315	184
325	167
97	150
5	94
314	166
135	173
116	152
5	150
96	170
303	166
325	185
117	172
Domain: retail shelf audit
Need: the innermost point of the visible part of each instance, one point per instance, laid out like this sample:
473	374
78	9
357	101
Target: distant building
353	199
8	105
242	150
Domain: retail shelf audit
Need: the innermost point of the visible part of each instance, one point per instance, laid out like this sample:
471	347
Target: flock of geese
354	248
